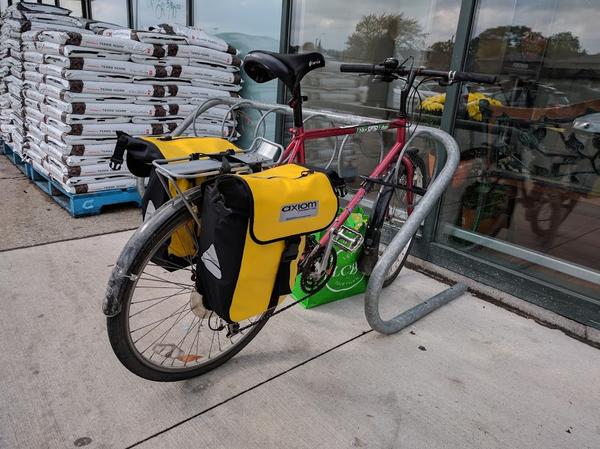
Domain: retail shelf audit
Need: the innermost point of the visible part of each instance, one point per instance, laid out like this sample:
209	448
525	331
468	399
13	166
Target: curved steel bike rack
409	228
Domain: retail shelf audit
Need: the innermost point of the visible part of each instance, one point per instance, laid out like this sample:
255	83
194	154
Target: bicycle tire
392	176
136	255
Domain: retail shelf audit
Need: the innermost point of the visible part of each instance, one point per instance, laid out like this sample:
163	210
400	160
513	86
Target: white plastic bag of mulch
102	43
205	74
34	114
147	37
142	59
196	36
234	88
104	184
33	56
202	53
89	150
162	81
73	161
35	77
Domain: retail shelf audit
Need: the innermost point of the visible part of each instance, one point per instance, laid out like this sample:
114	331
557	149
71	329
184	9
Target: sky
332	21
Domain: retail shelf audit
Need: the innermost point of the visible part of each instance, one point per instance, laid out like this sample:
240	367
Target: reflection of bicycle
550	183
157	325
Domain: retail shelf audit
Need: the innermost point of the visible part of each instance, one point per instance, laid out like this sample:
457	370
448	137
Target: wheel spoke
181	292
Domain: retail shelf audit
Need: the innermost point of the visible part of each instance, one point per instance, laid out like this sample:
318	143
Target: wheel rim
397	215
167	328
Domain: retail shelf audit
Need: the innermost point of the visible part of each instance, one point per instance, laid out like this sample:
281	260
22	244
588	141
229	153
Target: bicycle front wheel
396	211
162	332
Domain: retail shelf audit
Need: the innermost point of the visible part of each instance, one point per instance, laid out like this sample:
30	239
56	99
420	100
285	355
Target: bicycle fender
119	280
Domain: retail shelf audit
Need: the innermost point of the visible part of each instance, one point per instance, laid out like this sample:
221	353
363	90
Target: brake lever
385	78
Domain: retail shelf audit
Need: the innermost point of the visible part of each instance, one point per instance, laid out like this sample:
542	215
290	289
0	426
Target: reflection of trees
511	42
564	45
373	33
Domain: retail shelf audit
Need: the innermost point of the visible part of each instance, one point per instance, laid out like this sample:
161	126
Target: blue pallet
15	159
80	204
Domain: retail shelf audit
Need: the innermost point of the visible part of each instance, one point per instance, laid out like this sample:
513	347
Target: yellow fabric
260	264
184	146
182	242
288	185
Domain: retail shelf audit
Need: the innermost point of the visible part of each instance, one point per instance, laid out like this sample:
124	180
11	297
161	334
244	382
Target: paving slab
30	217
471	375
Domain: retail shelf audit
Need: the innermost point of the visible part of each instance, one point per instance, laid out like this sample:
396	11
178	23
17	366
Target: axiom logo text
299	210
315	62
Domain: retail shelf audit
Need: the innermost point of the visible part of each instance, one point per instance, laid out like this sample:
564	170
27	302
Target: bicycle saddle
263	66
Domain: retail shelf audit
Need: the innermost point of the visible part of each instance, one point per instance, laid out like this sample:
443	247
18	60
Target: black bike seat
263	66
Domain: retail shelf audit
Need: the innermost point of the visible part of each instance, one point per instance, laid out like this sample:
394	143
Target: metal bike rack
408	230
343	119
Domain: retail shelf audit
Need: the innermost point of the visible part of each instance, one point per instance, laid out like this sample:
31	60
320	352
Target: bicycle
400	178
516	156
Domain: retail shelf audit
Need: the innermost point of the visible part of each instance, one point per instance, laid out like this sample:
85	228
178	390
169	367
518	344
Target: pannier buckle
348	239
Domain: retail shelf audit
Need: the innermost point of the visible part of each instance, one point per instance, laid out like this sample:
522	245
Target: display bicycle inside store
523	211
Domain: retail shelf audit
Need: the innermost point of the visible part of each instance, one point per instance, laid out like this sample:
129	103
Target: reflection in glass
353	31
110	11
73	5
248	25
529	174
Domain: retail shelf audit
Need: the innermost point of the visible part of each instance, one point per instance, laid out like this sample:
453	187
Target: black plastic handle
475	77
358	68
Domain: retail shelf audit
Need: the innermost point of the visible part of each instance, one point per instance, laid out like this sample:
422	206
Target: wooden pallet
78	205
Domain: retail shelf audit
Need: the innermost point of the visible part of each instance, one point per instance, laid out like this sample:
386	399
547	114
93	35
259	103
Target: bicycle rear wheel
162	332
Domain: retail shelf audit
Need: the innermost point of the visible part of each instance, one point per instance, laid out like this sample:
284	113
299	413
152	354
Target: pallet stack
77	82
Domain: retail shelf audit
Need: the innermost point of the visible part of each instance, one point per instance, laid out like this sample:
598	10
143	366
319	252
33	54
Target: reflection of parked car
426	89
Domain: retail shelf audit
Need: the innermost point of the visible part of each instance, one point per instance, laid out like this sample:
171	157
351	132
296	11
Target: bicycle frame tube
295	153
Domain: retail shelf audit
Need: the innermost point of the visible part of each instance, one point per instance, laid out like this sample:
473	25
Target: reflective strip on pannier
252	236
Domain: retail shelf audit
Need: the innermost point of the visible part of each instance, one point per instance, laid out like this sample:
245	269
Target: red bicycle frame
295	153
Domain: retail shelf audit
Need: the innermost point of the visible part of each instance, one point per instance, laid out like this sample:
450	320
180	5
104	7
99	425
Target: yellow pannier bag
253	233
139	153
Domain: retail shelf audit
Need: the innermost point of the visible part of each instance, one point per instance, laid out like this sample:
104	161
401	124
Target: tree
379	35
440	54
501	40
564	45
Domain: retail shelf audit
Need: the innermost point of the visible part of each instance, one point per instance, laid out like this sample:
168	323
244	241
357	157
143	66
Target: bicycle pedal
348	239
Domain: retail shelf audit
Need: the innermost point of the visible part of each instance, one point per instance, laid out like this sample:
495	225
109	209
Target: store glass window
73	5
248	25
354	31
153	12
527	192
112	11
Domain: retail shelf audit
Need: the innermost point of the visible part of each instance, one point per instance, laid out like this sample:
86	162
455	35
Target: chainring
309	282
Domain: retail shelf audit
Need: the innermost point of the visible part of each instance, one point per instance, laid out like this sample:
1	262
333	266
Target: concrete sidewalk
30	217
471	375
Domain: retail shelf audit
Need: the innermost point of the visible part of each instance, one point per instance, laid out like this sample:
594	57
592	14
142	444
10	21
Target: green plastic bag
346	280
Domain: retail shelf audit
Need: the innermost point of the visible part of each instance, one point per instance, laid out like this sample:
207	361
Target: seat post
296	104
